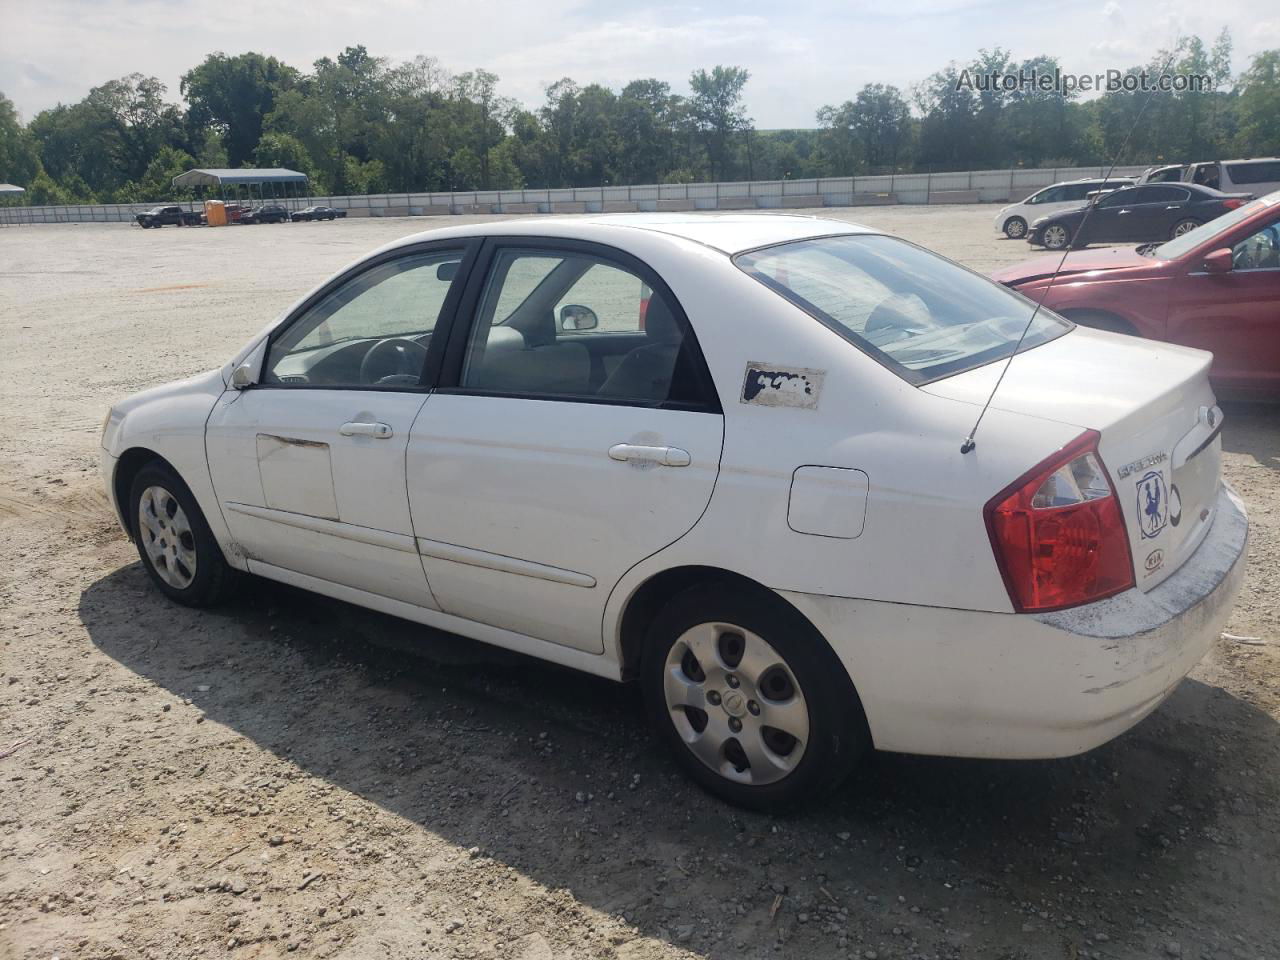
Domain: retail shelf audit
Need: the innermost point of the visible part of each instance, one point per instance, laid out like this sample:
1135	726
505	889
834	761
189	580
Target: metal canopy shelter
214	177
268	183
9	191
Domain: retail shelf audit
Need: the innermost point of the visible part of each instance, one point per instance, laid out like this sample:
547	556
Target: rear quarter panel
924	540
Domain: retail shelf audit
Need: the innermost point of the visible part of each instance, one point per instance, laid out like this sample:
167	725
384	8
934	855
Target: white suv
1258	176
1012	220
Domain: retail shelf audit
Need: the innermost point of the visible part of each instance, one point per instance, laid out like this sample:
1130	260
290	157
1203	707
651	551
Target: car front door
575	431
1235	314
308	462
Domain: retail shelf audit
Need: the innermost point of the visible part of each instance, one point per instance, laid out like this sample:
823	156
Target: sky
801	55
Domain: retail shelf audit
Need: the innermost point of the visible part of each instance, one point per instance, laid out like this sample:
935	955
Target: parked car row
1216	287
237	213
1143	213
1163	203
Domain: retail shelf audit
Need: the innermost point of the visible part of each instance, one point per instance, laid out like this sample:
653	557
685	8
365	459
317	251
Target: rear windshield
917	313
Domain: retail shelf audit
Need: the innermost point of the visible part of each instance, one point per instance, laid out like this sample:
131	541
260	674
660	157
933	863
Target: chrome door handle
666	456
379	431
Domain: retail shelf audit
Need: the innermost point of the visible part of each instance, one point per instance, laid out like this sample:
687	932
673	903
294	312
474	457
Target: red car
1216	287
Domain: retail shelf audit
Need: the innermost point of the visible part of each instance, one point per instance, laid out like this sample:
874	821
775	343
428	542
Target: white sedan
720	455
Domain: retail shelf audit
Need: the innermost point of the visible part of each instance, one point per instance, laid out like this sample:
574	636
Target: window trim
435	350
467	315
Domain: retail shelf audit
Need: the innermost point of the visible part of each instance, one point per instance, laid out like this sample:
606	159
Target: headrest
659	322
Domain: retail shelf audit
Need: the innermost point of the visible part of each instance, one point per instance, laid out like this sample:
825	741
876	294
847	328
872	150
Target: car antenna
970	442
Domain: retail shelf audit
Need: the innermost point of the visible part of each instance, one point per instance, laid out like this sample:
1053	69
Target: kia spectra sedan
721	456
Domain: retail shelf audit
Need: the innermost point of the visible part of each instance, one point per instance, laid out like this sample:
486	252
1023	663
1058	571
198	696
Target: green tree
282	150
19	156
948	108
1259	106
719	113
234	95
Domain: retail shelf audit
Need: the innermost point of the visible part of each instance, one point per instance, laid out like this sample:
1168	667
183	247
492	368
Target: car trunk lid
1155	411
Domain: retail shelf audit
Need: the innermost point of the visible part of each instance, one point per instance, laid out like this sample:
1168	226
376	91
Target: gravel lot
291	775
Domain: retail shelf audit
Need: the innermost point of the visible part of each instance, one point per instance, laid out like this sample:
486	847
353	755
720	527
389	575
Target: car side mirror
1220	261
574	317
243	376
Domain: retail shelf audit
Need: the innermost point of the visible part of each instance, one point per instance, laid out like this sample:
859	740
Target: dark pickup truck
159	216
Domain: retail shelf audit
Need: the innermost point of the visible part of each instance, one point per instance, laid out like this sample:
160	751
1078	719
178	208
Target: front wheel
175	544
1015	228
1181	227
750	697
1056	237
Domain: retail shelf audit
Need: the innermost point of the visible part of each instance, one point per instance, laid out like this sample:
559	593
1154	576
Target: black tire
212	576
1056	236
837	729
1015	228
1185	225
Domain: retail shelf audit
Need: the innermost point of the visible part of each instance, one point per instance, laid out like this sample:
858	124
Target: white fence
977	186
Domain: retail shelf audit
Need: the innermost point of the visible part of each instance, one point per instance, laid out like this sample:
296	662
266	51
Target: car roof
728	233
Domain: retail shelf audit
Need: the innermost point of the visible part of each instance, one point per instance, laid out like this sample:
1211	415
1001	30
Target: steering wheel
393	360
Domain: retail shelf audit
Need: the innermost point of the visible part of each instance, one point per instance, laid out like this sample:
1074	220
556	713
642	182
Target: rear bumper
971	684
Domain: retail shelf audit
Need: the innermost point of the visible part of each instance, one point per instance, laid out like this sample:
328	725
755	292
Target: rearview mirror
447	270
574	317
243	376
1220	261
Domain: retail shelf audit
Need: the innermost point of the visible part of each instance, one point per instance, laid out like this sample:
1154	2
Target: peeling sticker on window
776	386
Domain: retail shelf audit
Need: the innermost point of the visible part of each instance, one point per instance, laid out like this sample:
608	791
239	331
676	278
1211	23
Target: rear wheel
750	697
175	544
1183	226
1015	228
1056	237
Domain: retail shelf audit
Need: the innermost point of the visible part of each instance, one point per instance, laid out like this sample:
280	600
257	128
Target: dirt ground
291	775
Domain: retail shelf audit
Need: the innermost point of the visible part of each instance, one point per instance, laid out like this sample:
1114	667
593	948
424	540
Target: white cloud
801	56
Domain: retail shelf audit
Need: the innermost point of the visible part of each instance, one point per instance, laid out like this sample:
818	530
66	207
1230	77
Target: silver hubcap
1015	228
736	703
1055	237
1182	228
166	536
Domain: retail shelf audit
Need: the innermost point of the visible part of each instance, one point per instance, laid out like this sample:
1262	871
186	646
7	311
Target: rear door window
1267	171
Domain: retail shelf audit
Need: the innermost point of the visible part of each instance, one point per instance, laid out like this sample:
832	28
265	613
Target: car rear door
1156	211
1108	219
308	463
547	463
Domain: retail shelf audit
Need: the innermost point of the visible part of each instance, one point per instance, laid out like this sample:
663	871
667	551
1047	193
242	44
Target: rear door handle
666	456
379	431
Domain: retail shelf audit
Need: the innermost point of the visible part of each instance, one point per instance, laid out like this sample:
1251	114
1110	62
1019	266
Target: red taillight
1058	532
1232	202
